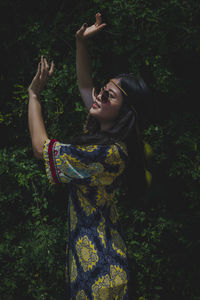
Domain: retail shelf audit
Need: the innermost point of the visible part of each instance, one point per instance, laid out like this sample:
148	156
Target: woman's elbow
38	153
37	146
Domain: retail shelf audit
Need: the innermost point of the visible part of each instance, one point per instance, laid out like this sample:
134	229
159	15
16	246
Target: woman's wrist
80	40
33	95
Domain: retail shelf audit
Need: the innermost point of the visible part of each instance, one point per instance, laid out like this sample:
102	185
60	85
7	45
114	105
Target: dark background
159	40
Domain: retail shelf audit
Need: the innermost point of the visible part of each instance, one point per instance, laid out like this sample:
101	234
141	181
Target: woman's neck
106	126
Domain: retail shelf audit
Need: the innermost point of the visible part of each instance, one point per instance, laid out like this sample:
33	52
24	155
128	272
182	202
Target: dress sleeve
97	164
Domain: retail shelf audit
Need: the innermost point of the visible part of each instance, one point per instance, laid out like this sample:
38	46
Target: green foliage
156	39
32	248
162	240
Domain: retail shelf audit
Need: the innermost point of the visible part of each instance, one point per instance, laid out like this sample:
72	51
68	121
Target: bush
158	40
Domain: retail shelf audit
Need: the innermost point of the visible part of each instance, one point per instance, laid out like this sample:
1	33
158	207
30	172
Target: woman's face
107	112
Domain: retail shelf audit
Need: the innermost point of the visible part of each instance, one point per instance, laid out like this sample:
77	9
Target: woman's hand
41	77
86	32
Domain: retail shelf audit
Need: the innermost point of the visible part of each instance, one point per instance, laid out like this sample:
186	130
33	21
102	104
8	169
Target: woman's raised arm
83	71
35	120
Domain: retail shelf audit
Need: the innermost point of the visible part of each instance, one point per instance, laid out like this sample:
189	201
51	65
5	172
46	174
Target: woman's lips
94	105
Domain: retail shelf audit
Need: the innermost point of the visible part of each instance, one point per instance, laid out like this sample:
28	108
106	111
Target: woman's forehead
116	80
111	85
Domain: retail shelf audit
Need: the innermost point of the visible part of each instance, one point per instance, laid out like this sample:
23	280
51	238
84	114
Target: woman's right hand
86	32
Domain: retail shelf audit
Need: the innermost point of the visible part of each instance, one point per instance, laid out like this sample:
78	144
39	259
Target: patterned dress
97	263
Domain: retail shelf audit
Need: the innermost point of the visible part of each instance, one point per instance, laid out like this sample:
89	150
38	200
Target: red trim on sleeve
51	162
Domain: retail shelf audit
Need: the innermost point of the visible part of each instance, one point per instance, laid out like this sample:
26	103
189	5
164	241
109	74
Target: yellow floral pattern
46	162
102	197
113	156
106	179
112	285
122	145
72	267
73	216
101	231
71	167
119	281
81	295
88	148
72	162
87	253
118	243
101	288
85	204
113	213
97	266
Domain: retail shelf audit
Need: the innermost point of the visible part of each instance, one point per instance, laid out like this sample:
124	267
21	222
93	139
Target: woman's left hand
41	77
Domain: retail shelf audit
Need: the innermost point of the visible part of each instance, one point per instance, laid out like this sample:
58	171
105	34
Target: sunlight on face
108	111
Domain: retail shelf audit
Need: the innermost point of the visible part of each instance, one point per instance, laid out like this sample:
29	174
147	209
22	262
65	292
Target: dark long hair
126	129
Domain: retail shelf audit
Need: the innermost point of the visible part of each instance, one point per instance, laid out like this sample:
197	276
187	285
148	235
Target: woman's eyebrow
111	90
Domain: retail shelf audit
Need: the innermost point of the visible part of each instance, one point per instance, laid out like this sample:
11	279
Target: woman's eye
97	91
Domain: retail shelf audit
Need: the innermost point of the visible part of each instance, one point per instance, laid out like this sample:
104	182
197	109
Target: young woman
92	165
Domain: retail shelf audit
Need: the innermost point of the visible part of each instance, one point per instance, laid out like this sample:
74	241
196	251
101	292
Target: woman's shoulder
109	148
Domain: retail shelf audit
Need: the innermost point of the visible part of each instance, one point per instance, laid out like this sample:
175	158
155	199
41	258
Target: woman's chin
94	111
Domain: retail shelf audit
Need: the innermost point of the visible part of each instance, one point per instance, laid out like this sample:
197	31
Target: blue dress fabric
96	256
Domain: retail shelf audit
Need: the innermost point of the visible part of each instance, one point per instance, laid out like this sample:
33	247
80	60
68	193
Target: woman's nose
99	95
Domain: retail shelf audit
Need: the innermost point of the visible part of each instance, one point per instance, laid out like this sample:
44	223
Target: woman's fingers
51	69
84	26
98	23
43	73
98	19
42	65
101	26
41	76
86	32
38	70
46	64
44	68
82	29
